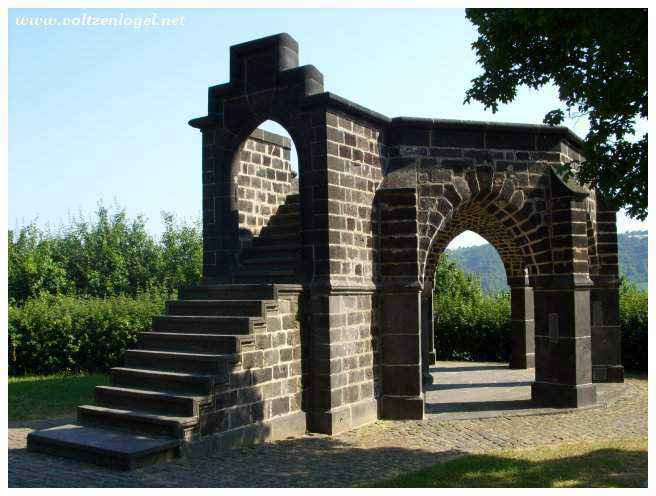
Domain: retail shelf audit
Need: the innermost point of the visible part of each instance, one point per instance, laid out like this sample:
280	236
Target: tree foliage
106	256
597	58
470	325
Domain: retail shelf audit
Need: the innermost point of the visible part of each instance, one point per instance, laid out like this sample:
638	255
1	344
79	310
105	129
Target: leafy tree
105	256
182	252
598	60
110	255
634	324
32	265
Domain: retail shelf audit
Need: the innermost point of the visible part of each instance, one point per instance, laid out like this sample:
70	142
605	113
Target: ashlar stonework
315	310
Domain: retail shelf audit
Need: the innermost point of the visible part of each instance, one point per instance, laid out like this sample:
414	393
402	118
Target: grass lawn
601	464
39	397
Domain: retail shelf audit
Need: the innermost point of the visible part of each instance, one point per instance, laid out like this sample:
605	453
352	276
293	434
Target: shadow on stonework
479	406
466	368
438	387
311	461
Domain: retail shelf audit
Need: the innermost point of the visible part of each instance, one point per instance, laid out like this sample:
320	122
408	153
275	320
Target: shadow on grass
606	467
321	461
51	396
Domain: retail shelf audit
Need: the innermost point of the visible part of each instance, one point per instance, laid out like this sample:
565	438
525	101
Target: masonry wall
264	178
491	182
266	382
344	309
380	198
354	173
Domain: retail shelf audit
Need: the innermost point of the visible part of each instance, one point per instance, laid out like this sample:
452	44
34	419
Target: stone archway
433	185
507	228
522	354
378	196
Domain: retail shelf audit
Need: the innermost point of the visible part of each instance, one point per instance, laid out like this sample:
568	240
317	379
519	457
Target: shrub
469	324
633	321
51	334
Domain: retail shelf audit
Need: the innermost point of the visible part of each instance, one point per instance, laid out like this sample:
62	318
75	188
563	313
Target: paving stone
379	450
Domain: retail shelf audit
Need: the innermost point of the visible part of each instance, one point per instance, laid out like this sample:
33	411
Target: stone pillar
401	370
563	366
221	242
606	332
400	302
342	382
522	324
427	334
605	301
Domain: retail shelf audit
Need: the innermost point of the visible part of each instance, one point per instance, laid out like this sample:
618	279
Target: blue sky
99	113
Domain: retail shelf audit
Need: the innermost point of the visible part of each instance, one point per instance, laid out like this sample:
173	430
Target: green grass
39	397
601	464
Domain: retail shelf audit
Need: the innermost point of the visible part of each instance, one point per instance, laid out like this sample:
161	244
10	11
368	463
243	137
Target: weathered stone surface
373	452
110	448
339	263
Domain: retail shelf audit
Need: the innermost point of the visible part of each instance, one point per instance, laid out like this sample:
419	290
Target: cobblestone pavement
471	424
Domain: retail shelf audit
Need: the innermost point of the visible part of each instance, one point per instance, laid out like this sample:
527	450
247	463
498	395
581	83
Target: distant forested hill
484	261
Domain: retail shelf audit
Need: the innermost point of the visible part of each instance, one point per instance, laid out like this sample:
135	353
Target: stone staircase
164	394
274	254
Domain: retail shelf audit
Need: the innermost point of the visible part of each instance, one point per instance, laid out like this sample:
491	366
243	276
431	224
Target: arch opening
516	256
265	176
491	327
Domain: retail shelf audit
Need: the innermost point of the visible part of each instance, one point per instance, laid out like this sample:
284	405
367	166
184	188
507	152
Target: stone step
274	249
154	401
202	384
195	363
211	324
273	243
293	198
229	292
282	275
289	209
270	261
189	343
105	447
288	219
221	308
137	421
260	290
280	230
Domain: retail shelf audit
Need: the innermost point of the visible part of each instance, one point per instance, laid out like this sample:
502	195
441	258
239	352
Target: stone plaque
553	327
597	313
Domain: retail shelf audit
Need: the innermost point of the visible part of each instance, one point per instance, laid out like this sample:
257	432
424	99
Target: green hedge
633	320
67	334
471	325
